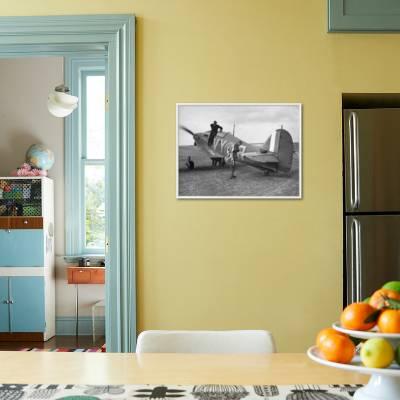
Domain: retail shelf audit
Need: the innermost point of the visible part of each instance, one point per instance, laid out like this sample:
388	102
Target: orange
378	301
325	333
338	348
354	316
389	321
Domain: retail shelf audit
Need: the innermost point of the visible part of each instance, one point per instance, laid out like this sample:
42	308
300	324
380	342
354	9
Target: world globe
38	156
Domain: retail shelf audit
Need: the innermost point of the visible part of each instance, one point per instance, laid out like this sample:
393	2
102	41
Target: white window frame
76	70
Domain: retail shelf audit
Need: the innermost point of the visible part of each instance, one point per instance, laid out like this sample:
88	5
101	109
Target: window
93	132
85	159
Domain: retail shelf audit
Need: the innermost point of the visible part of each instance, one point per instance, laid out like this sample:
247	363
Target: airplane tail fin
280	143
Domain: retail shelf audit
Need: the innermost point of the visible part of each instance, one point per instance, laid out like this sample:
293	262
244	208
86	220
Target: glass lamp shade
61	104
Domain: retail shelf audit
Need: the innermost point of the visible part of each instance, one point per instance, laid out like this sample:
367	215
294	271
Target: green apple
393	285
397	355
377	353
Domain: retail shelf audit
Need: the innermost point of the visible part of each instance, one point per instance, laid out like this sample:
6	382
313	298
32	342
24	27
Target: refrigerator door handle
356	274
354	161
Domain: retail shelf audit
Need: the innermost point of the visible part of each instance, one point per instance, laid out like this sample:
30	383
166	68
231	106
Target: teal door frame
90	35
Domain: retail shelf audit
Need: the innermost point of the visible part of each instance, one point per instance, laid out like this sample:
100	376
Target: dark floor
70	342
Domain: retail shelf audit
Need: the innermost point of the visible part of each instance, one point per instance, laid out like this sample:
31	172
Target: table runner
186	392
64	350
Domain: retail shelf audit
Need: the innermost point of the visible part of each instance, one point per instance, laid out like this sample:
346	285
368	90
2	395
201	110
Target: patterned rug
64	350
197	392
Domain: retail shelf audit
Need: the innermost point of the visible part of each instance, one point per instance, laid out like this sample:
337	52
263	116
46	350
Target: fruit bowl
384	383
393	338
379	355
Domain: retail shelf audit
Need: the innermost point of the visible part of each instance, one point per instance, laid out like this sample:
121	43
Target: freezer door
372	254
372	160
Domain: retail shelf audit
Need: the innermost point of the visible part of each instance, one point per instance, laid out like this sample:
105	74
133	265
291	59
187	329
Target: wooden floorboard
70	342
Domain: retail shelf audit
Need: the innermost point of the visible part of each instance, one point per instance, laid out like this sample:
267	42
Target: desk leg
93	323
77	310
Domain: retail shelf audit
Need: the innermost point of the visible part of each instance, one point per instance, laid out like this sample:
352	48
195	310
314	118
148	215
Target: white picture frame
258	143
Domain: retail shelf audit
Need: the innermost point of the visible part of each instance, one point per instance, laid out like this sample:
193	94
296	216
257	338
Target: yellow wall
241	264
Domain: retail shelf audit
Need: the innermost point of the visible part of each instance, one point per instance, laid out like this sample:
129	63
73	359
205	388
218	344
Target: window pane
95	117
94	206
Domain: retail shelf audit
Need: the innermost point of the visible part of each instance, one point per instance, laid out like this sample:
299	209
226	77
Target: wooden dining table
182	369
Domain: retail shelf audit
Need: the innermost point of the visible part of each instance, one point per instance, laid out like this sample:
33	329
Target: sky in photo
253	123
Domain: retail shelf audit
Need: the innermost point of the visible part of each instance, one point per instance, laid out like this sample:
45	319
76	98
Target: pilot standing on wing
215	128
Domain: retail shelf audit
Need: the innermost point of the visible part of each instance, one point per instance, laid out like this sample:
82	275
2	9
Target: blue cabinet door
22	248
27	309
4	319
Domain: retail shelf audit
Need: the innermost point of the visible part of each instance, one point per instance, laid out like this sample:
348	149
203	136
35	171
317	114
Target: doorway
26	85
91	36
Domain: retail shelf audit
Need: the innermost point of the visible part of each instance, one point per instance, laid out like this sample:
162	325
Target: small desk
84	276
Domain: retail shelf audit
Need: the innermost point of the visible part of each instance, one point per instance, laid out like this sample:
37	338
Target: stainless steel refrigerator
371	146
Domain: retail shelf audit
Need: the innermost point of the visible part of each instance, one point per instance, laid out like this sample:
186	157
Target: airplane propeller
186	129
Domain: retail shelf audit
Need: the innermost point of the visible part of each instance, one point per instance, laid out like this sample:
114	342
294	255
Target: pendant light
60	103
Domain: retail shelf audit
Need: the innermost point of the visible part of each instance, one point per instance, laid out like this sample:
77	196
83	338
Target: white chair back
243	341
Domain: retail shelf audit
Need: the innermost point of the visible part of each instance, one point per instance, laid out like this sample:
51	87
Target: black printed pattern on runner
313	392
97	390
12	391
219	392
159	392
45	392
349	389
266	390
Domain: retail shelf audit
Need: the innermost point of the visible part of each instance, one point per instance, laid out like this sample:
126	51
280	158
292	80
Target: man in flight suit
215	128
235	151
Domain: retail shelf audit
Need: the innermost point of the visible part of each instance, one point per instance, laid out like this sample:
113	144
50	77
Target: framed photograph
238	151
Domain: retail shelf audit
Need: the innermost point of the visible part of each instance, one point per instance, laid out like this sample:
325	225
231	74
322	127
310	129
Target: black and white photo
239	150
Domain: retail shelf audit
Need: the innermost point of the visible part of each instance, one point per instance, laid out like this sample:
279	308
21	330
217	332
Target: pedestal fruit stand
384	383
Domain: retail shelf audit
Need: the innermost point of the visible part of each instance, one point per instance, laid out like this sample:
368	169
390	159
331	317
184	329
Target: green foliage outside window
95	212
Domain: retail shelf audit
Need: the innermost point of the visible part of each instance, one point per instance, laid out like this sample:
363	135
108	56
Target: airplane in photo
275	155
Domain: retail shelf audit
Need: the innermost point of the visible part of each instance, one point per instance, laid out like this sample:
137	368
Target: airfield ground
207	181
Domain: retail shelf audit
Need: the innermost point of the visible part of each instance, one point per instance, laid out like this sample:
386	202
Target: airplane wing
260	157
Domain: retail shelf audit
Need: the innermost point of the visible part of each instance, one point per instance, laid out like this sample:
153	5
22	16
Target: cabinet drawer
97	276
21	222
79	276
26	223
